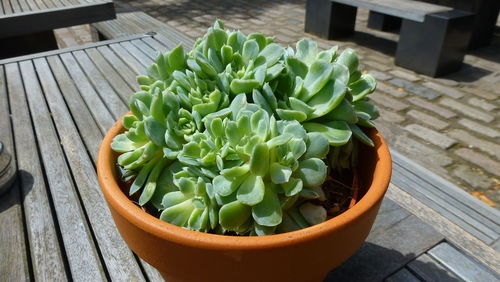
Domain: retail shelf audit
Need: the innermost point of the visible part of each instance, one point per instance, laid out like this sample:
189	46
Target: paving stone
480	160
431	136
391	116
405	75
474	142
432	107
376	65
384	87
488	95
445	81
428	120
415	88
488	106
448	91
421	152
479	128
466	110
388	102
473	177
379	75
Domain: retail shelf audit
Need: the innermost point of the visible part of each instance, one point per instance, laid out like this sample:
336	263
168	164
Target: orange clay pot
304	255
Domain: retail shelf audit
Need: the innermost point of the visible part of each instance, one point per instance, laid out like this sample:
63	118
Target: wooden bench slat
14	261
79	247
80	113
99	111
24	5
15	6
116	106
46	256
123	69
145	49
128	58
138	54
386	251
7	9
466	223
403	275
112	76
430	269
119	261
461	264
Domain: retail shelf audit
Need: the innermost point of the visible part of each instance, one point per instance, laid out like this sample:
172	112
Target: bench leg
329	20
383	22
27	44
437	46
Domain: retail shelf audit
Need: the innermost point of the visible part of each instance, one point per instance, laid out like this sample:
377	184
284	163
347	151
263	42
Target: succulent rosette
239	135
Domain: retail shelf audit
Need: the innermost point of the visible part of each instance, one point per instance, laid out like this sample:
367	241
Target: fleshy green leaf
336	132
280	173
312	172
251	191
268	211
234	214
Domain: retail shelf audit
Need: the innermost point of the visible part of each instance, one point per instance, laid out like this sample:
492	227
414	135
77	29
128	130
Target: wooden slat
448	188
138	54
387	250
137	66
108	95
124	70
82	256
111	75
14	262
7	9
46	256
461	264
145	48
16	8
80	113
429	269
24	6
119	260
153	274
99	111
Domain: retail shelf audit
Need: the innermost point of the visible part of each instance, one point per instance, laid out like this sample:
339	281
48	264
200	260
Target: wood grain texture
125	71
429	269
46	256
80	249
100	112
119	261
453	233
14	261
134	63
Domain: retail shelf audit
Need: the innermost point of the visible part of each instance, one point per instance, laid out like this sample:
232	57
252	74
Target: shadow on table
375	263
15	195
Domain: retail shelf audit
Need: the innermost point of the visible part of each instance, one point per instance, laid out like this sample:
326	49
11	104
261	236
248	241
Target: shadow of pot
304	255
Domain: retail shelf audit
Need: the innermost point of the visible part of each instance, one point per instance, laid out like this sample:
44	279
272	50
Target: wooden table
55	108
28	24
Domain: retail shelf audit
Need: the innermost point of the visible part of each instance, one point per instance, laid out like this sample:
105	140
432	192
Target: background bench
433	38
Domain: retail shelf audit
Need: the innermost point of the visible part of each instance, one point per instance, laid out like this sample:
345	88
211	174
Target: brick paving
450	125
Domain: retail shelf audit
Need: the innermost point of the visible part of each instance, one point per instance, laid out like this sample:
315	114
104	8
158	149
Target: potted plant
224	169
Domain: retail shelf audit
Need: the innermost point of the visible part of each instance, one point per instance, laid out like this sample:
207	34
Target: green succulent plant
239	134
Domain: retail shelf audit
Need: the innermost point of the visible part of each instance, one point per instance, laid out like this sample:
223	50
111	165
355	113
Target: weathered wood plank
461	264
459	216
82	116
397	245
7	9
46	256
119	260
15	6
389	214
82	256
124	70
402	275
446	187
14	262
24	6
146	49
111	75
99	111
140	56
429	269
116	106
128	58
449	229
151	272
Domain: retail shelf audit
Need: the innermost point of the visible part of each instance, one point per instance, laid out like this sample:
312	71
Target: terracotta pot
303	255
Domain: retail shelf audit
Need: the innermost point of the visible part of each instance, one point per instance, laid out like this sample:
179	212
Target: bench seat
433	38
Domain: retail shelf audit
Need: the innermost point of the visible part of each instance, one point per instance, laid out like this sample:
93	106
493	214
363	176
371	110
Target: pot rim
164	230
